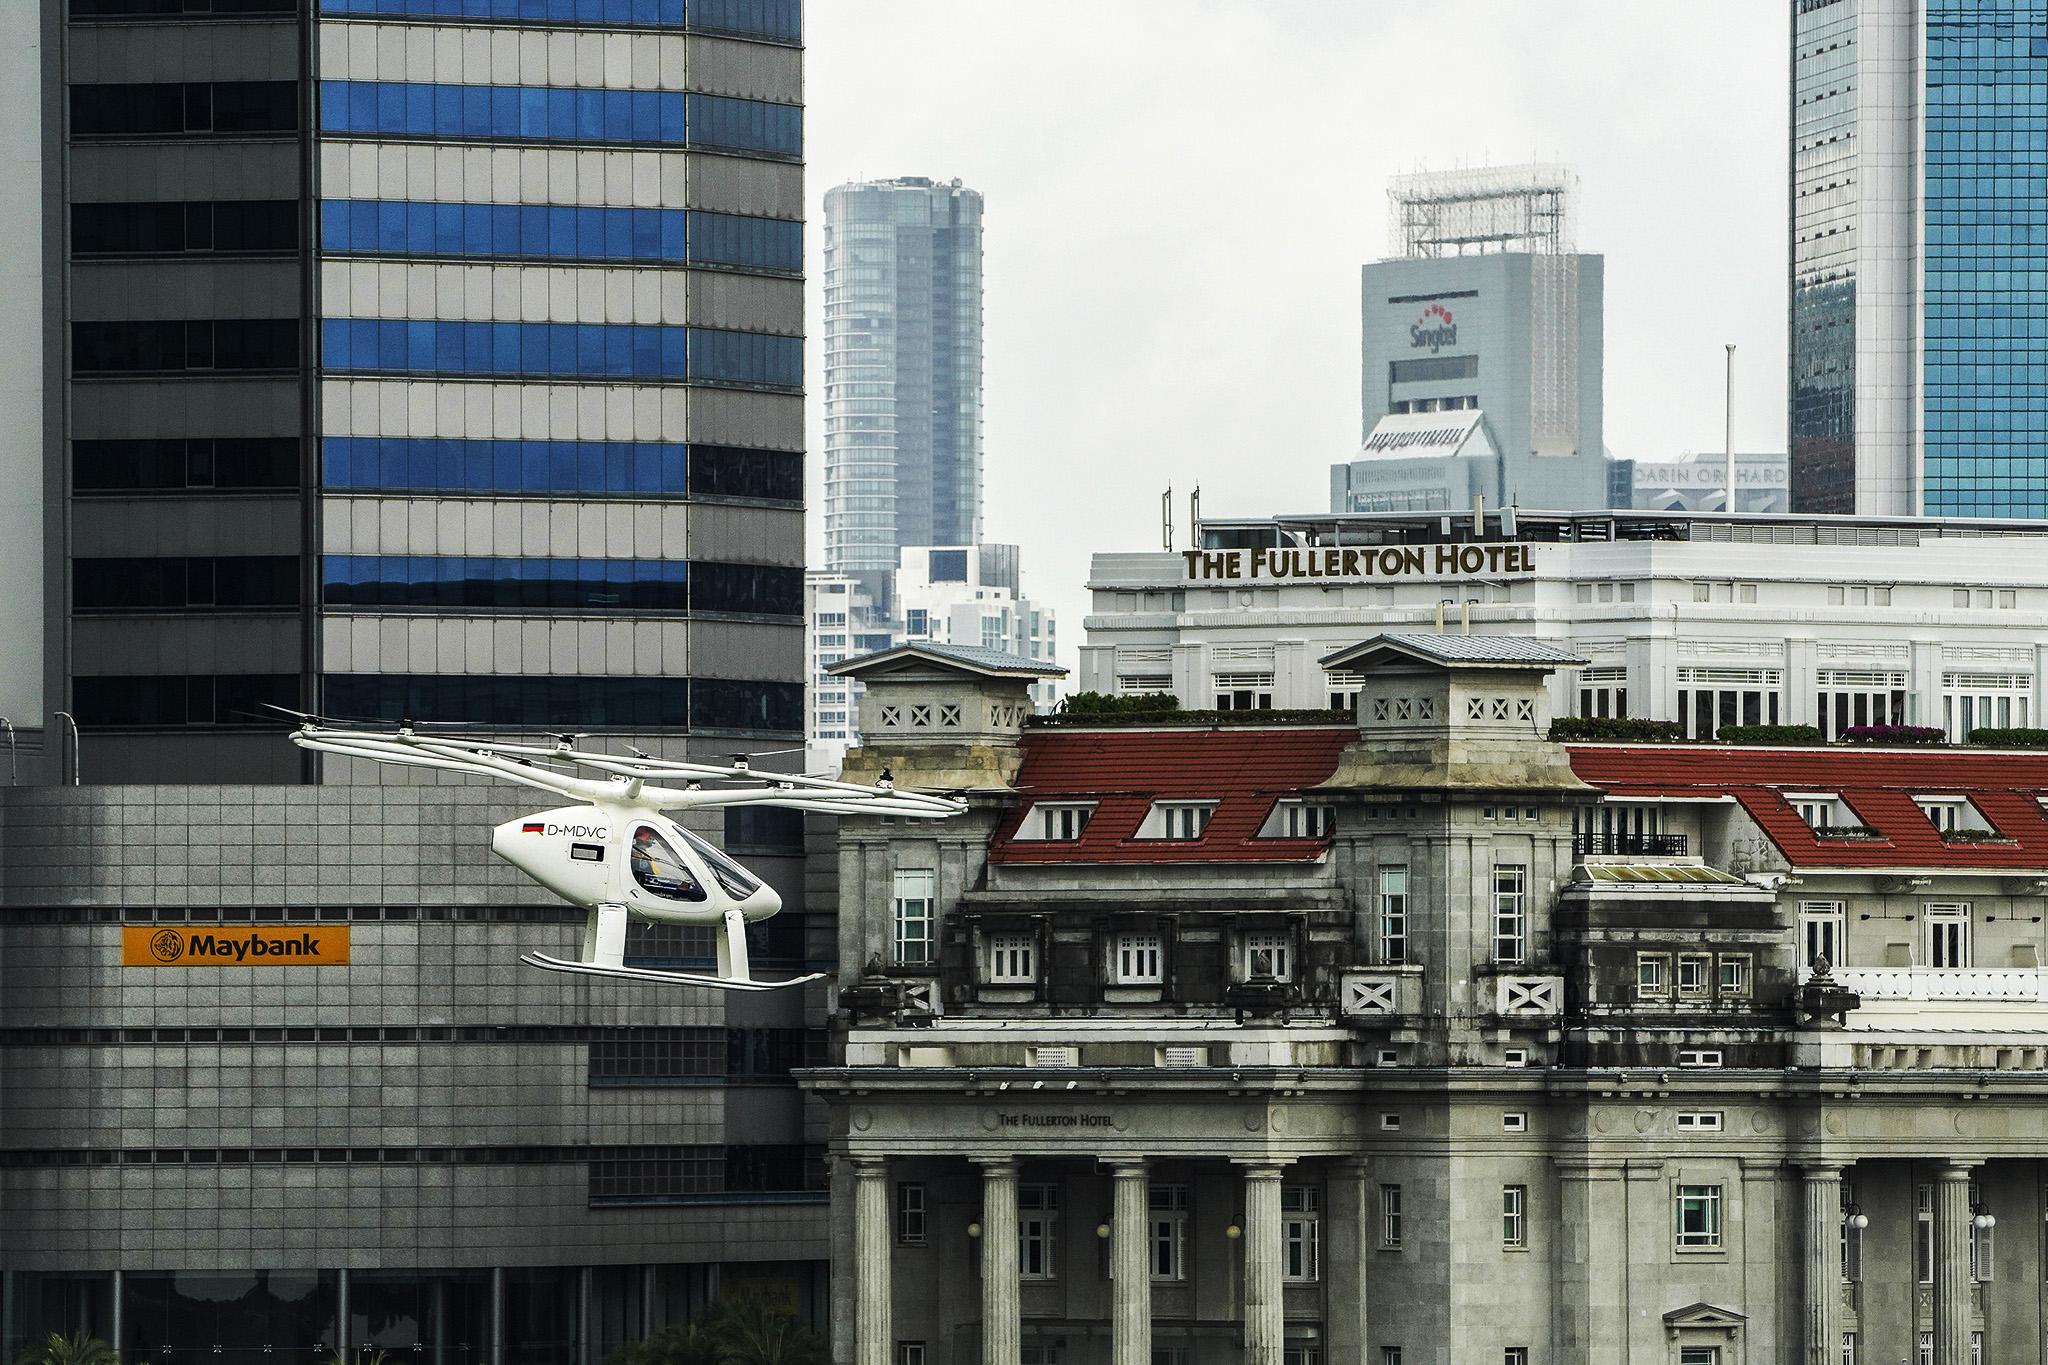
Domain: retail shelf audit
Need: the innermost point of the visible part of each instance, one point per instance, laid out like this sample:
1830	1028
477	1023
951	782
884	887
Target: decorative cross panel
1379	708
1500	708
1368	995
1525	709
1425	708
1475	708
949	715
892	715
921	715
1530	994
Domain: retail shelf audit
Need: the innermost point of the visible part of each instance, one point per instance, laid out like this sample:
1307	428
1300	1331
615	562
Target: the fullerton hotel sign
1336	564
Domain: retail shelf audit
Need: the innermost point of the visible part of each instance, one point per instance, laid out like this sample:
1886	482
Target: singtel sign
1330	564
1434	330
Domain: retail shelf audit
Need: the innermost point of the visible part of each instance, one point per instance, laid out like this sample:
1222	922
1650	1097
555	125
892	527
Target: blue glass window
588	468
560	350
778	19
487	583
553	113
410	228
605	702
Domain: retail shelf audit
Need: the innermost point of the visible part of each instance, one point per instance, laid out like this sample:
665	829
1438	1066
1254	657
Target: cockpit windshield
737	881
657	869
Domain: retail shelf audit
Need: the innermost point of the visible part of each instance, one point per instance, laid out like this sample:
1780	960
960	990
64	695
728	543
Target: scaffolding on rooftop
1482	209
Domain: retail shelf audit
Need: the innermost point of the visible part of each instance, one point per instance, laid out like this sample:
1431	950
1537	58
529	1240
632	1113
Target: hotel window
1699	1355
1603	691
1975	701
1060	822
1182	820
1169	1355
1977	1340
1138	960
1848	697
1393	915
1244	691
910	1353
1699	1056
1515	1355
1820	933
1982	1262
1390	1216
910	1214
1824	812
1734	969
1924	1355
1848	1348
1299	1351
1301	1233
1923	1233
1692	974
1709	698
1042	1350
1012	959
1268	954
1390	1355
1038	1227
1699	1121
1514	1216
1653	976
1698	1214
1947	933
1168	1211
913	918
1293	819
1510	913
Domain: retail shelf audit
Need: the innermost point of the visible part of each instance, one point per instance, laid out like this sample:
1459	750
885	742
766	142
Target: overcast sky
1180	194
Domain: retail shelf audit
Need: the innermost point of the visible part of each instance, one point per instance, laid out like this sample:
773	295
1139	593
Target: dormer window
1180	820
1827	814
1297	819
1957	817
1056	821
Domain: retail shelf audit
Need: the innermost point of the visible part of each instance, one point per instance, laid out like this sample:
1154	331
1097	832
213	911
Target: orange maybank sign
225	945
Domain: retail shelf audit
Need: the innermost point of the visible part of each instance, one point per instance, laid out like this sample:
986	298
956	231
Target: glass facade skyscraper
903	419
1986	273
1919	281
428	358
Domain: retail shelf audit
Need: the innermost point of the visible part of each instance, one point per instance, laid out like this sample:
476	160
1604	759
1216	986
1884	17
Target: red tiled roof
1244	769
1878	785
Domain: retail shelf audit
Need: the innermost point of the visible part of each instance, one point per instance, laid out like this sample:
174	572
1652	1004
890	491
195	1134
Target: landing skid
604	951
723	983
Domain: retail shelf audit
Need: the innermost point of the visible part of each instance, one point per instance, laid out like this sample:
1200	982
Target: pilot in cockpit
656	867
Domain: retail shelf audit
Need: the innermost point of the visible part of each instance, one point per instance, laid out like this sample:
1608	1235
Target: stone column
1264	1310
1821	1247
1952	1263
1002	1335
872	1251
1130	1264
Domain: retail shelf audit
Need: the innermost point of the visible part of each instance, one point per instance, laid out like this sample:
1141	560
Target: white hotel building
1700	618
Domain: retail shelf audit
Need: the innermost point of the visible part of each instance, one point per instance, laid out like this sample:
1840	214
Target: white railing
2020	984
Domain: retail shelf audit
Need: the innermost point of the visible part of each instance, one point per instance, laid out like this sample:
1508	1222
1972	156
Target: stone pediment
1703	1316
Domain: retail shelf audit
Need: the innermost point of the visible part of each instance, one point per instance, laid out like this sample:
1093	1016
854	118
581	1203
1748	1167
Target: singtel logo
1434	329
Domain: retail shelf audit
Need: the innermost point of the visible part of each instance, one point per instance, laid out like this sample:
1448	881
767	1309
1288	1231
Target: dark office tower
902	373
425	358
1919	282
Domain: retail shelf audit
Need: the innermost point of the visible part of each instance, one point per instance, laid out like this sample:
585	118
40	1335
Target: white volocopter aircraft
616	854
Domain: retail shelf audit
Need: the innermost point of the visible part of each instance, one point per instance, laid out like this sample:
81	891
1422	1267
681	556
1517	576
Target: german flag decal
533	827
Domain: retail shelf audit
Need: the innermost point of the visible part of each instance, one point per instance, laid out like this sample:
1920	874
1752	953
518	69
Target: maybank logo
222	945
1434	329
